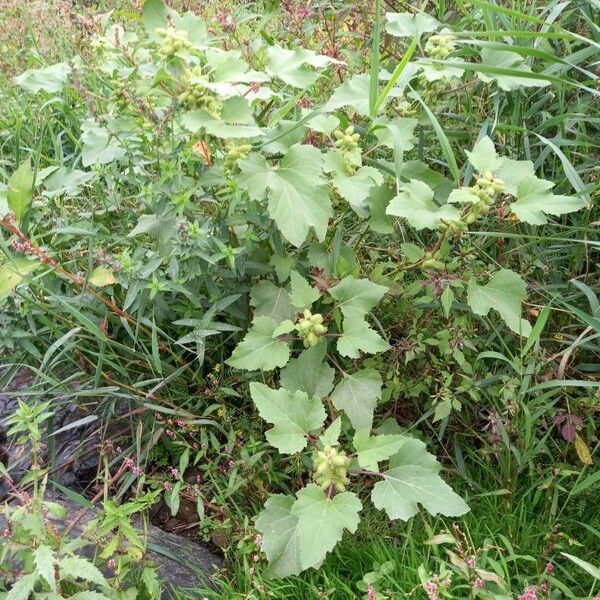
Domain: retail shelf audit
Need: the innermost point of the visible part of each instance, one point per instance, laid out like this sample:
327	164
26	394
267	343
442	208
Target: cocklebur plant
341	447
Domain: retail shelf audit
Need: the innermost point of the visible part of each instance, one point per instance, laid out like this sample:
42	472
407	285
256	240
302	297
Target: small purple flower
479	583
549	568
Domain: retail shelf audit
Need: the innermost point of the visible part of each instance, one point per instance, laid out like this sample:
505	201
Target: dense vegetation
331	268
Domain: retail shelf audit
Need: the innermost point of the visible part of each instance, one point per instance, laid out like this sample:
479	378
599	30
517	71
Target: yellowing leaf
101	276
13	273
20	190
583	451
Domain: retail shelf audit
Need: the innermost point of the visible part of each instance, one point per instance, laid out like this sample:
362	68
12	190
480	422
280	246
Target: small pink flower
127	463
479	583
471	562
549	568
137	471
530	594
168	487
544	587
174	473
180	423
371	594
169	433
112	565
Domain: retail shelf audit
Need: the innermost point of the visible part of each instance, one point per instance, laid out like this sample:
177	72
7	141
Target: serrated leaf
50	79
535	201
270	300
293	414
328	517
80	568
397	134
447	298
297	198
236	121
292	66
302	293
357	335
505	292
331	435
356	297
309	373
483	157
21	589
357	395
512	172
258	349
462	196
415	480
98	147
284	327
373	449
414	203
353	93
20	190
356	188
409	24
13	273
44	559
280	541
102	276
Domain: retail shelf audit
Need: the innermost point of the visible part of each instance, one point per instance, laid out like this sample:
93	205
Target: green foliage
330	226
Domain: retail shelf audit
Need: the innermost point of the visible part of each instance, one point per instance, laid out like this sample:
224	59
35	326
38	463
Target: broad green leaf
293	414
535	201
373	449
357	335
331	435
397	134
505	292
409	24
280	541
13	273
258	349
414	202
292	66
510	65
302	293
413	480
353	93
483	157
355	188
512	172
357	394
20	190
21	589
44	559
322	520
462	196
309	372
98	147
236	121
80	568
447	298
356	297
272	301
284	327
49	79
378	200
102	276
154	15
298	200
411	452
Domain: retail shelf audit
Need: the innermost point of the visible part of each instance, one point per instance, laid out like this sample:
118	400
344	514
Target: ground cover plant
310	268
